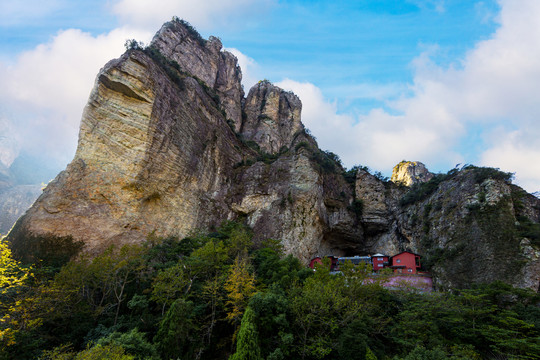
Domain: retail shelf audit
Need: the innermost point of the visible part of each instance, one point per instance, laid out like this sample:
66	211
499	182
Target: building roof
410	252
379	255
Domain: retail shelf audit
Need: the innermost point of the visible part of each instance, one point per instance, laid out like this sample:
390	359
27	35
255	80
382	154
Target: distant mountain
20	186
29	169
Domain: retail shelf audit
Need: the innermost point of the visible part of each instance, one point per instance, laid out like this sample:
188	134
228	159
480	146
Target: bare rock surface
272	117
156	155
409	173
205	60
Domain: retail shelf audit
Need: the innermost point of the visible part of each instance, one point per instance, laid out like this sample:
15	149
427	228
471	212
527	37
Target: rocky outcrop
204	60
272	117
169	144
409	173
471	226
372	193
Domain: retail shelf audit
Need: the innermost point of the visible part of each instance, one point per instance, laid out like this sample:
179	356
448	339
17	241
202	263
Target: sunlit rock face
169	144
409	173
205	60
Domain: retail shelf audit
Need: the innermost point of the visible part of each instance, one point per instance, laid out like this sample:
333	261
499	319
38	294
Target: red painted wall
378	262
316	260
407	259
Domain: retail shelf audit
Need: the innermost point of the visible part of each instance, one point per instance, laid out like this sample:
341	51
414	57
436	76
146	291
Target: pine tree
370	355
173	337
247	346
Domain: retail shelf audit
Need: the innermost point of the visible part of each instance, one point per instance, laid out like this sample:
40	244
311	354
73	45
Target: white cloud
250	68
202	14
495	86
45	90
515	152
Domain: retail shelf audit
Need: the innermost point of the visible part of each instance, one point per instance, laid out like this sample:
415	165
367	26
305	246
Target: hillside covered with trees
219	295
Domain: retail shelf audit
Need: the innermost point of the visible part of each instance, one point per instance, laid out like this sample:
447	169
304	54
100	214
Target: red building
406	262
319	260
379	261
315	260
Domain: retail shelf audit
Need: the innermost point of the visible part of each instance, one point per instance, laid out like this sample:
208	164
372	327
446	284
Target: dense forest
220	296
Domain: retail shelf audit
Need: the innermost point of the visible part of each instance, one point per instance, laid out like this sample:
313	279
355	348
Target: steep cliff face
272	117
169	144
471	225
205	60
157	154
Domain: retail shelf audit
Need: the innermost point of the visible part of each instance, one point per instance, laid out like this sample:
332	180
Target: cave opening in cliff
341	246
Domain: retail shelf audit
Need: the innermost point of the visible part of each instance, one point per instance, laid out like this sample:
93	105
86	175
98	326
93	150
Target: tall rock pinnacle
272	117
206	60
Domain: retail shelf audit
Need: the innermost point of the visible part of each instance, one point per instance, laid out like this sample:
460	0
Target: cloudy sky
445	82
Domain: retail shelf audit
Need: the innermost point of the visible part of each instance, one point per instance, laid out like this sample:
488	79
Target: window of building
380	265
409	270
398	261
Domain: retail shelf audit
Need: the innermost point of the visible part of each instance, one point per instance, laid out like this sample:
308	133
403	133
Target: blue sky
439	81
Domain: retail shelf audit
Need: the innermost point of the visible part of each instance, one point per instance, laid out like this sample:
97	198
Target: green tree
321	308
421	353
169	284
107	352
176	337
370	355
239	242
208	263
247	345
353	341
133	342
97	352
12	283
272	310
102	280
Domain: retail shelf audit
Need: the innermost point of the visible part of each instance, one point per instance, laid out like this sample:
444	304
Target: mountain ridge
169	143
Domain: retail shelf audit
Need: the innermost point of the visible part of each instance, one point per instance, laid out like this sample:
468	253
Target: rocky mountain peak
272	117
206	60
409	173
